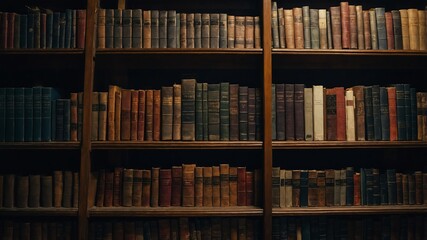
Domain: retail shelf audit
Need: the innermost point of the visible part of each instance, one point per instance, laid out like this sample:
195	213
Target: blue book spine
62	24
199	111
369	113
225	111
48	95
28	114
30	33
414	126
23	31
49	30
304	188
19	114
408	111
37	114
369	180
376	111
306	229
68	27
10	115
2	114
400	112
385	118
67	120
376	187
56	29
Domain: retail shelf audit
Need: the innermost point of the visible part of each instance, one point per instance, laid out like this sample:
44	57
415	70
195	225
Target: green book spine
19	114
10	115
213	112
225	111
28	114
37	114
67	120
48	95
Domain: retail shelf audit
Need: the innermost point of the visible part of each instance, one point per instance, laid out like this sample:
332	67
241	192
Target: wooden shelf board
349	52
347	144
62	51
350	210
174	211
40	145
55	212
177	51
177	145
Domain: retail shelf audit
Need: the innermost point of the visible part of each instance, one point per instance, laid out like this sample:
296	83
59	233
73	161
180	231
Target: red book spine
241	186
156	115
141	115
11	27
176	185
389	30
126	115
249	188
341	123
391	92
165	188
81	28
345	24
356	193
134	115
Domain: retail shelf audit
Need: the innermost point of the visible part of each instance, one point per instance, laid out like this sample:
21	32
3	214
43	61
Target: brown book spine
102	116
356	189
391	92
165	188
233	186
389	30
353	26
188	185
418	187
176	131
207	186
184	230
249	188
331	114
73	117
241	186
167	113
118	232
149	114
249	32
36	230
76	188
109	189
234	112
198	188
341	117
329	187
68	189
156	114
298	28
336	27
367	29
225	184
134	115
95	116
146	188
118	114
126	115
129	230
422	16
258	190
405	189
117	187
313	197
147	28
101	28
11	27
231	30
360	112
321	188
155	184
127	187
164	229
405	28
399	188
216	186
141	115
34	191
137	188
176	186
46	191
58	189
345	24
289	28
359	28
111	108
240	32
81	28
22	187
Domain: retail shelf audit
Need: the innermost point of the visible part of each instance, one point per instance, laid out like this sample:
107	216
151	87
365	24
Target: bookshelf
93	69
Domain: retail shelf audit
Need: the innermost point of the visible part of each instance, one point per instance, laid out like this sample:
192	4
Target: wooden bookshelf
38	212
348	144
40	145
350	210
177	145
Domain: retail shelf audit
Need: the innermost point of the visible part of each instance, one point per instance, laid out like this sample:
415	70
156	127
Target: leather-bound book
214	112
251	114
155	28
58	188
397	29
129	230
125	128
391	186
155	184
418	175
422	29
308	114
183	30
188	109
198	187
231	30
146	188
318	113
405	189
171	29
249	32
413	23
118	230
225	111
136	28
389	30
331	114
205	30
307	26
243	113
21	191
156	114
112	90
184	230
233	186
296	180
190	30
349	187
400	112
411	188
167	113
214	30
298	28
176	125
275	178
188	185
329	187
353	26
241	186
282	194
359	112
350	131
216	186
117	187
223	30
289	28
314	31
321	188
240	32
109	189
356	189
146	28
134	115
34	191
225	185
149	115
102	116
164	229
127	28
367	29
118	28
288	188
207	186
405	28
313	197
381	27
67	199
323	29
127	187
384	115
360	28
109	29
278	40
73	117
205	111
165	188
280	111
273	113
197	30
163	39
345	24
369	113
137	188
340	111
298	111
234	112
336	27
176	186
81	28
374	28
199	112
304	188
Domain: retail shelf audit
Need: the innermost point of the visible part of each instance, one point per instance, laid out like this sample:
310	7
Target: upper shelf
39	145
33	212
347	144
177	145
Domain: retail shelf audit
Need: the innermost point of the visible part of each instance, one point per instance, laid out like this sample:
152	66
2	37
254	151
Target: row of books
39	115
345	187
52	230
178	228
188	111
43	30
357	113
137	28
61	189
186	186
371	227
348	27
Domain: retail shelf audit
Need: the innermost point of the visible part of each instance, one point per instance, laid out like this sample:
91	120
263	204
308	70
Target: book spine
385	119
165	188
133	116
205	33
62	30
146	188
374	28
100	37
249	32
397	29
314	36
155	185
405	28
296	190
176	135
118	28
66	120
214	30
324	28
216	186
367	29
225	185
198	187
391	94
360	27
28	114
241	186
126	103
350	115
224	111
318	109
188	185
376	111
257	32
2	115
171	29
68	189
299	112
336	27
234	112
306	17
233	186
290	112
275	25
369	114
19	114
109	28
167	113
281	28
149	114
408	111
298	28
127	28
22	187
199	111
156	115
73	116
243	113
345	24
58	188
308	114
146	29
353	27
163	38
249	188
81	28
340	109
155	29
34	191
413	23
205	111
223	30
381	28
176	186
188	109
251	114
183	30
280	111
207	186
389	30
240	32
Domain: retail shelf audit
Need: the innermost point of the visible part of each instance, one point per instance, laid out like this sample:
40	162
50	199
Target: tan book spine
257	26
101	28
117	115
183	30
413	21
102	117
46	191
58	188
405	28
156	114
349	111
188	185
359	27
225	184
366	29
289	28
95	116
240	32
127	187
288	188
134	115
111	112
323	29
147	28
233	186
231	31
422	29
345	24
318	113
353	26
198	188
207	186
216	186
176	135
298	28
336	27
249	32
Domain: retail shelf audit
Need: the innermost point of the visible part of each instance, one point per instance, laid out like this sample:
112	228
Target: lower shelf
43	212
175	211
350	210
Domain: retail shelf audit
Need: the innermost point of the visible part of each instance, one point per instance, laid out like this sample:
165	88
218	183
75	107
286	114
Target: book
306	20
314	23
345	25
353	26
214	112
155	185
374	29
188	109
146	28
336	27
350	115
167	113
176	125
165	187
155	28
381	27
389	30
224	111
413	23
318	108
239	38
289	28
216	186
243	113
249	32
225	184
241	186
207	187
188	185
290	112
198	187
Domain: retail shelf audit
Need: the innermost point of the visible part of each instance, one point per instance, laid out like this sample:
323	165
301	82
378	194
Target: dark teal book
397	29
304	188
37	28
225	111
400	112
199	111
68	27
28	114
280	111
127	28
67	120
283	227
56	29
408	111
49	30
109	28
48	95
188	109
376	186
258	114
251	114
74	30
2	114
305	229
30	31
37	114
381	30
205	110
23	31
53	121
369	186
276	228
62	25
10	115
322	227
414	126
155	29
369	113
58	120
391	186
118	28
19	115
383	189
349	193
363	198
273	112
385	118
376	111
213	113
243	113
